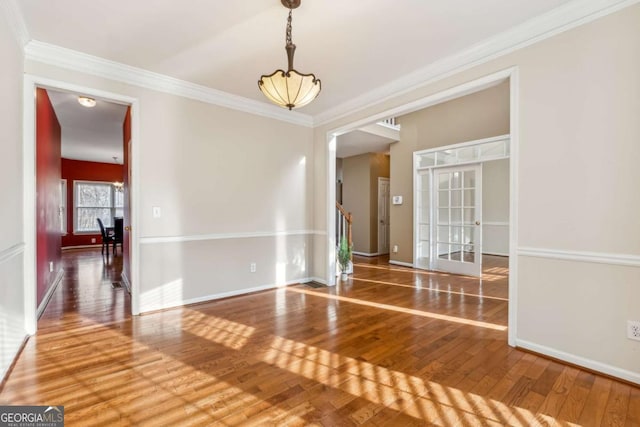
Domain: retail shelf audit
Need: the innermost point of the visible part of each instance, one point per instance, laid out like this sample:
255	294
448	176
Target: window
62	212
94	200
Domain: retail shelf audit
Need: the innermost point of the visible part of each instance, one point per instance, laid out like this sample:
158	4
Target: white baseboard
366	254
403	264
49	294
179	303
494	253
594	365
16	352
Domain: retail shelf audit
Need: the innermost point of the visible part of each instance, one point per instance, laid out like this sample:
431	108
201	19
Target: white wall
495	207
233	188
12	321
579	103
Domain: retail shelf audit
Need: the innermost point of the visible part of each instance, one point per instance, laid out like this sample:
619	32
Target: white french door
457	214
448	218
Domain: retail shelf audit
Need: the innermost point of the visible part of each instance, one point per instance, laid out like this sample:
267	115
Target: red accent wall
48	147
78	170
126	132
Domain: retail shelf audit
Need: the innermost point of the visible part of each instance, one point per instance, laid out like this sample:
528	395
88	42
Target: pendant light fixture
290	89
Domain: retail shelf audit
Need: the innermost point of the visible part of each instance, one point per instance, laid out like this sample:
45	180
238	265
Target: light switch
396	200
157	213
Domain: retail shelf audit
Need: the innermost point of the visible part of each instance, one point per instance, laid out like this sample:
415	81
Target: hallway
392	346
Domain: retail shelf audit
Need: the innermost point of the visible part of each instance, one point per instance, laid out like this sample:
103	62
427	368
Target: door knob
127	228
477	222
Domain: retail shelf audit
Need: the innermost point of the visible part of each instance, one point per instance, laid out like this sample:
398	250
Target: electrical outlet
395	249
252	267
633	329
157	212
93	240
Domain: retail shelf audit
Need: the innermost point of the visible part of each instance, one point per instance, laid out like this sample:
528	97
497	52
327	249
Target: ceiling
360	142
90	134
354	47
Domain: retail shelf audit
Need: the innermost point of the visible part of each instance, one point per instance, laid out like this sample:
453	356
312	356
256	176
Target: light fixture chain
289	41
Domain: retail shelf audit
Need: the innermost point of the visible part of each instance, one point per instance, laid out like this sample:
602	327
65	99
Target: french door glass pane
456	216
456	198
456	180
469	215
443	198
443	181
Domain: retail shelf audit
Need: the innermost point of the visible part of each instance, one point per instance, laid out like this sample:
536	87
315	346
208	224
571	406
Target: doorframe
30	84
512	75
382	179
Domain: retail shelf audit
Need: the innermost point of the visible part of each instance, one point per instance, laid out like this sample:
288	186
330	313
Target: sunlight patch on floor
402	309
447	291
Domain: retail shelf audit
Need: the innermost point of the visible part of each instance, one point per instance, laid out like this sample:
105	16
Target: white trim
223	236
29	203
461	145
78	61
496	223
514	161
403	264
49	294
556	21
366	254
30	84
494	253
330	213
317	279
16	22
581	256
213	297
11	251
594	365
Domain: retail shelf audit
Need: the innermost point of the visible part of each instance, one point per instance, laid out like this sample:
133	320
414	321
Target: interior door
457	247
383	215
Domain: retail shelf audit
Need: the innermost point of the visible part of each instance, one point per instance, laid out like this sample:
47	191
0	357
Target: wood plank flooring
390	347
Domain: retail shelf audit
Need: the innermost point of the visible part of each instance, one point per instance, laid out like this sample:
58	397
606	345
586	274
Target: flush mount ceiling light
289	89
85	101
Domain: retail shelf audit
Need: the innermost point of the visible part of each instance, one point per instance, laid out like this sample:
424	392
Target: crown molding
14	18
94	65
556	21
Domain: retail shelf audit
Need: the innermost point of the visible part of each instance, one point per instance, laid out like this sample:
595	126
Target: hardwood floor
391	346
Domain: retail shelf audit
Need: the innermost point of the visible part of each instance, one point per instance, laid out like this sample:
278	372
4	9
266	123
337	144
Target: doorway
510	75
31	85
383	215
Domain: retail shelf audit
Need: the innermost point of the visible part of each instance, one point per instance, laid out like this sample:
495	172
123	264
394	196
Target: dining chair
106	237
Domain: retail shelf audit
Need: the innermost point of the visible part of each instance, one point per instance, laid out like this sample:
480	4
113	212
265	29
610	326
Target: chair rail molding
12	251
581	256
226	236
